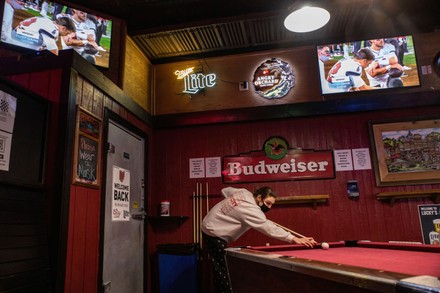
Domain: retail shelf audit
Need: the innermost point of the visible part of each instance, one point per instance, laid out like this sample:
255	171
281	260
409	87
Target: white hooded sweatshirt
236	214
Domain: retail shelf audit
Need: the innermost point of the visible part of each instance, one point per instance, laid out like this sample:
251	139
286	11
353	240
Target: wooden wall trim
354	104
27	63
97	78
69	109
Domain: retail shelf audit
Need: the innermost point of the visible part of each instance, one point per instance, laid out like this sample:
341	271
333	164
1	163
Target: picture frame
406	152
87	150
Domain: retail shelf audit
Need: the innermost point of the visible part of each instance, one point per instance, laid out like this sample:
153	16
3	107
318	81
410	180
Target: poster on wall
8	107
361	159
121	194
5	150
213	167
429	216
343	160
197	168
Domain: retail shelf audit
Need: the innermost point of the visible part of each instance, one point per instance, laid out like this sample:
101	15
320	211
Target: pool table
348	266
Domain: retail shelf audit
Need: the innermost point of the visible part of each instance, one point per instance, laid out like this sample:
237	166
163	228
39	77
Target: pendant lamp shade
307	19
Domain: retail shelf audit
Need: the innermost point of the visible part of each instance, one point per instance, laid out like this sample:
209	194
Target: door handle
107	287
140	216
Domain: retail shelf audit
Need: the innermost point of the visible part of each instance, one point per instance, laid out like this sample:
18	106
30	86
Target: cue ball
325	245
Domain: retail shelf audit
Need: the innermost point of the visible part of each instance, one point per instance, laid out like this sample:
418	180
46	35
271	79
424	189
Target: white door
123	239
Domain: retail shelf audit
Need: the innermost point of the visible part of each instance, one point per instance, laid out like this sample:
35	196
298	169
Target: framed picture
87	151
406	152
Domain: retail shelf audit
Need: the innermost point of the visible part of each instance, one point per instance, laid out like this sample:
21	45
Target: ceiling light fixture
307	19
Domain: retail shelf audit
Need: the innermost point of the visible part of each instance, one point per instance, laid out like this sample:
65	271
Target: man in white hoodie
232	217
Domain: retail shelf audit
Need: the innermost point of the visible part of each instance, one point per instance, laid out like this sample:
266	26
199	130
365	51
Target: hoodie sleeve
256	219
227	191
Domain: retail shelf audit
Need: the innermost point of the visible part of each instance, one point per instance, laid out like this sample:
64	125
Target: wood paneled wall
341	218
230	71
82	261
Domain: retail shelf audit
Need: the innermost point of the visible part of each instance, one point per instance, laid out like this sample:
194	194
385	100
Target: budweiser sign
295	165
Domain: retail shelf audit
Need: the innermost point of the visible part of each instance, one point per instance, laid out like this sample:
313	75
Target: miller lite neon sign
195	82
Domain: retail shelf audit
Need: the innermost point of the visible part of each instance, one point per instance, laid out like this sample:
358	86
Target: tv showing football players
47	25
364	65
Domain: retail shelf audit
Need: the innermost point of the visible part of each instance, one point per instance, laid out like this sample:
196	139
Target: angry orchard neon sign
194	82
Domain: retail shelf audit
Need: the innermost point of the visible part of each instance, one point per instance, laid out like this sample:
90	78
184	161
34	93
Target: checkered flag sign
2	146
4	106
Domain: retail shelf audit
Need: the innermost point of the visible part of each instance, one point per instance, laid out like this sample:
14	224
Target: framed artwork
406	152
87	151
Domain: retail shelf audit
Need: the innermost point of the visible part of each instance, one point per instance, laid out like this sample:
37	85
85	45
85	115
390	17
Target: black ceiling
171	30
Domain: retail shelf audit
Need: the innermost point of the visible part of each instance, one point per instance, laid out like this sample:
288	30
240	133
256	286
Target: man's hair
67	22
319	48
364	53
264	191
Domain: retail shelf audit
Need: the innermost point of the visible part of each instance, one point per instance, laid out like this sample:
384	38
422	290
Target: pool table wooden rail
294	272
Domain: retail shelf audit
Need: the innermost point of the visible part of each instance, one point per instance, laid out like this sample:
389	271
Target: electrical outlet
243	86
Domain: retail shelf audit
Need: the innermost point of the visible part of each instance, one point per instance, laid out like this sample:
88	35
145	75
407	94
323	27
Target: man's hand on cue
306	241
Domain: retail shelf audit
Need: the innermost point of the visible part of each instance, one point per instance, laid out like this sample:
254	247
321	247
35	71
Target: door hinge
110	148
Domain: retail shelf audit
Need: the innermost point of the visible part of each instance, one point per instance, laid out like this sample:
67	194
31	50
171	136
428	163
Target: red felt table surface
399	261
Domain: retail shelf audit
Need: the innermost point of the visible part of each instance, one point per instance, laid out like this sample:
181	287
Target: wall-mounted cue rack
198	210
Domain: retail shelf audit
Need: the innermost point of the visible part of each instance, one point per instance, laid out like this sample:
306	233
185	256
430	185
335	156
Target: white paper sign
213	167
361	159
8	107
5	150
121	194
343	160
197	168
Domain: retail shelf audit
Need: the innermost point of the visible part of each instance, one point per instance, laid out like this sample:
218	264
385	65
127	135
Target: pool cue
201	213
194	216
207	199
291	231
197	212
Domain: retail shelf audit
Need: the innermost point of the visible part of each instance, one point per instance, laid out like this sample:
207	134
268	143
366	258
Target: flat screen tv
46	25
373	64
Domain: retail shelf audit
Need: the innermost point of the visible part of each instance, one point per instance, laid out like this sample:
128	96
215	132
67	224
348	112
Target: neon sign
194	82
